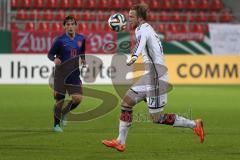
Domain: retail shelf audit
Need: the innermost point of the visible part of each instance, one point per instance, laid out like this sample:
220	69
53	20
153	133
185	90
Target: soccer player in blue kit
66	47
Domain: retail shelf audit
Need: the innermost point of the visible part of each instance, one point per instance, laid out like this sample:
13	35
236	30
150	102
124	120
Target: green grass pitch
26	123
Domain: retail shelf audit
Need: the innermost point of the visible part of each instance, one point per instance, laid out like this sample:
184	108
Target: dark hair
141	10
69	18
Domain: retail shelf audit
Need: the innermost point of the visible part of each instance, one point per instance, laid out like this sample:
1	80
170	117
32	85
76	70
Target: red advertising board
40	42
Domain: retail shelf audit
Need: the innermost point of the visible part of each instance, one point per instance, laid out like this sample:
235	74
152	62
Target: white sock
184	122
123	131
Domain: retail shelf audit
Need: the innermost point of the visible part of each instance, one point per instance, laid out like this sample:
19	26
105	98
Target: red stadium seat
87	16
205	28
21	15
78	4
104	4
201	17
26	3
212	17
117	4
198	28
172	28
203	4
32	15
60	15
65	4
166	4
191	4
39	4
101	16
14	4
48	15
163	16
14	27
226	16
216	5
191	16
29	26
154	4
152	16
184	28
161	28
52	4
175	16
42	26
179	4
91	4
57	27
128	4
82	27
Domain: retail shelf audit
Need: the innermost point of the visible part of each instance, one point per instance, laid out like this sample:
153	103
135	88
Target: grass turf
26	123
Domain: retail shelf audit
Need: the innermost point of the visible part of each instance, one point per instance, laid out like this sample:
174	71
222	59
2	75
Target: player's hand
57	61
83	62
131	61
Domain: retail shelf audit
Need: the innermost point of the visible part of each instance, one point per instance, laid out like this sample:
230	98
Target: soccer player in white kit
147	88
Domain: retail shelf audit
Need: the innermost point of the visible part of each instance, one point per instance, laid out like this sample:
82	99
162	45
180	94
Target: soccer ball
117	22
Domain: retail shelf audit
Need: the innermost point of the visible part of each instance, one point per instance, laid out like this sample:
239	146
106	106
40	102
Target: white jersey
148	44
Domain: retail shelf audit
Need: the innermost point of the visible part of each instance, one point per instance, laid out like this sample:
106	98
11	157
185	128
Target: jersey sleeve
54	50
141	43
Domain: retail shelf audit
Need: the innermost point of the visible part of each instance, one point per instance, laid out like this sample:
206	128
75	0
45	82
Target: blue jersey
66	48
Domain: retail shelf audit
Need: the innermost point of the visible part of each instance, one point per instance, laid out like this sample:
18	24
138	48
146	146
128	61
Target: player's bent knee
77	99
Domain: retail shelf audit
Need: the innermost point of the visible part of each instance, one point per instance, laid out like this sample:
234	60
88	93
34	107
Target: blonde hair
141	10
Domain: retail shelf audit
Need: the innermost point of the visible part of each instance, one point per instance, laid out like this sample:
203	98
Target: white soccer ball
117	22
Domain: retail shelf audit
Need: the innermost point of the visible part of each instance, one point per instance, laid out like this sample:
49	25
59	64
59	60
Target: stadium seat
26	3
32	14
173	27
179	4
212	17
216	5
154	4
198	28
39	4
166	4
42	26
191	16
82	27
14	27
60	15
203	4
201	17
87	16
47	15
14	4
184	28
57	27
163	16
117	4
29	26
65	4
128	4
175	16
91	4
101	16
104	4
226	16
205	28
53	4
78	4
152	16
191	4
21	15
161	28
